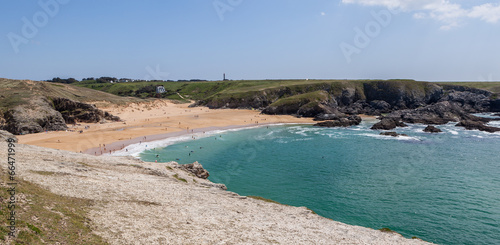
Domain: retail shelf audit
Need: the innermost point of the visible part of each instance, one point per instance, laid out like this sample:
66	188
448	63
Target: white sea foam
385	137
136	149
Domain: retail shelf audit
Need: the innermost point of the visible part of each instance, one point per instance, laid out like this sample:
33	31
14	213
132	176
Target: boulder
393	134
432	129
381	106
195	168
471	125
388	124
341	122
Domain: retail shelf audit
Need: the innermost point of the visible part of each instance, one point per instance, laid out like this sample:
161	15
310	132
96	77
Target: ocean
442	188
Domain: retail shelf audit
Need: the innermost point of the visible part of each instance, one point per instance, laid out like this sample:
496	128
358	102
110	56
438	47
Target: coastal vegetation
43	217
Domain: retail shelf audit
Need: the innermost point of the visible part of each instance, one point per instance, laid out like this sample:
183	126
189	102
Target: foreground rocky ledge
158	203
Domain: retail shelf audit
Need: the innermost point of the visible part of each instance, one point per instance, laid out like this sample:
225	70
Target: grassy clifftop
17	92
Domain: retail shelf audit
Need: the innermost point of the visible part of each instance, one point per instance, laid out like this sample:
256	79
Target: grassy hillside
226	89
16	92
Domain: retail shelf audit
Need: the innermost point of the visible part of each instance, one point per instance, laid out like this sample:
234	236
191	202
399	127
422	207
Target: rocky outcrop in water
393	134
471	125
432	129
388	124
340	122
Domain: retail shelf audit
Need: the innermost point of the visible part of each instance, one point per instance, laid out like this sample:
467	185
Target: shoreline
150	119
123	144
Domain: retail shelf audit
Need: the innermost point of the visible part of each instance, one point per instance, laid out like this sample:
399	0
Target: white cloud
448	13
323	13
487	12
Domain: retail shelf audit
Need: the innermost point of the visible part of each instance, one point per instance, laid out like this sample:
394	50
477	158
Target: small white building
160	89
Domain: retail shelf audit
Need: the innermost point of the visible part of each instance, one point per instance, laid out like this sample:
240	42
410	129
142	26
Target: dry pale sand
144	203
159	117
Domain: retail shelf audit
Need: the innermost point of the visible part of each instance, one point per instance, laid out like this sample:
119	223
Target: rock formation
388	124
73	112
471	125
42	114
432	129
195	168
393	134
340	122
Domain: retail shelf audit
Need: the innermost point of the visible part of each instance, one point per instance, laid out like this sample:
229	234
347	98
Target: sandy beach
150	121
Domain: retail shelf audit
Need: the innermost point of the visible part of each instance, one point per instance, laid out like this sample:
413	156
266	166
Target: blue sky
430	40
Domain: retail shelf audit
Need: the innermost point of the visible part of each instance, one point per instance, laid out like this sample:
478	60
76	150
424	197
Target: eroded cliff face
73	112
34	117
405	101
372	98
42	114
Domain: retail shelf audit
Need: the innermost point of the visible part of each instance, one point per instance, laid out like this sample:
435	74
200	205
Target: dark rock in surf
432	129
471	125
388	124
340	122
393	134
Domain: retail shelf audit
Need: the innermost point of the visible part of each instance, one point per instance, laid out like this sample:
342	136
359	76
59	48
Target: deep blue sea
442	188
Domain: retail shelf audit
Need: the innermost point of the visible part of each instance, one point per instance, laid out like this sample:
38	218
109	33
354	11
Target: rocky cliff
405	101
43	114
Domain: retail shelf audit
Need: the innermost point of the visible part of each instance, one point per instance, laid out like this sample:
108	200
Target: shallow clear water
443	188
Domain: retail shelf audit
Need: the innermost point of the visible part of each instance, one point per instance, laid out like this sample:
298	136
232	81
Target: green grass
302	99
179	178
46	218
387	230
17	92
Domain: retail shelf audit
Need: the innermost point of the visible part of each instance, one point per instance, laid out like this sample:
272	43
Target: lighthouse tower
224	77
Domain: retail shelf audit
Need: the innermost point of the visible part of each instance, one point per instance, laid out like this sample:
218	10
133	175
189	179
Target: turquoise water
442	188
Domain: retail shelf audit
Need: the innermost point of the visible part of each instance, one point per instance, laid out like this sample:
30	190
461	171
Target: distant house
125	80
160	89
